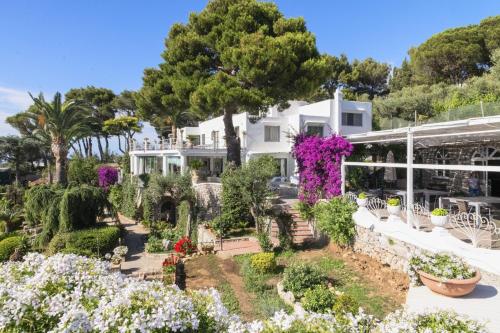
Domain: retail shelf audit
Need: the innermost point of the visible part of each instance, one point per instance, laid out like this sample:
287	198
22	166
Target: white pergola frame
478	127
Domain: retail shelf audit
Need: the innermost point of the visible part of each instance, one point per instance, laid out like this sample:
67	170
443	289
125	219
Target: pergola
445	134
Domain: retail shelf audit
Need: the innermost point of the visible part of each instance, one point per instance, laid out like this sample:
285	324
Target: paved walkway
234	248
137	260
483	304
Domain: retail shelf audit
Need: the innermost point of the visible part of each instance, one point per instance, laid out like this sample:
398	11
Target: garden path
137	260
482	304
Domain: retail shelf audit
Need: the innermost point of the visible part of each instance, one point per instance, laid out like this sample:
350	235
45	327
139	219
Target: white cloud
12	101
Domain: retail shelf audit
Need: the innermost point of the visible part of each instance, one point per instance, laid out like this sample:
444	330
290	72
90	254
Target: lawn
253	295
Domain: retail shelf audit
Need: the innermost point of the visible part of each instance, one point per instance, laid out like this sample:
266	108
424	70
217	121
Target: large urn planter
362	202
451	288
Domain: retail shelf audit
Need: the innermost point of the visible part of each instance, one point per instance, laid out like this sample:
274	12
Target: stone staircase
301	230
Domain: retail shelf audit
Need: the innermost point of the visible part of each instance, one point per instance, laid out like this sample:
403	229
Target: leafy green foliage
115	196
334	218
10	214
17	152
439	212
305	210
300	277
8	246
183	212
154	245
393	202
362	195
265	241
128	204
195	164
80	206
318	299
83	171
89	242
264	262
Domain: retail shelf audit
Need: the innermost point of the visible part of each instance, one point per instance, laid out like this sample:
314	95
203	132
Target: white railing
170	144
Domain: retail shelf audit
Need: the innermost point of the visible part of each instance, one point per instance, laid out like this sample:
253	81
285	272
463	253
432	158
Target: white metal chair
479	230
420	217
378	207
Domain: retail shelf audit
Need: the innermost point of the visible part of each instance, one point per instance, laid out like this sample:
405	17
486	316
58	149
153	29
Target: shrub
263	262
362	195
265	241
345	304
439	212
115	196
305	210
128	204
88	242
36	202
8	246
195	164
183	212
83	171
154	245
393	202
300	277
318	299
80	206
334	218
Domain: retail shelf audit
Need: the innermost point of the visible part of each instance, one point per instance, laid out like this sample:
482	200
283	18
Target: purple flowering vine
107	176
318	160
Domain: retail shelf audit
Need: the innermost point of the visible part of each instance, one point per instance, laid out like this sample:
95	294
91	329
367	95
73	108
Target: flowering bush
442	265
69	293
334	218
120	250
107	176
264	262
184	246
442	321
318	161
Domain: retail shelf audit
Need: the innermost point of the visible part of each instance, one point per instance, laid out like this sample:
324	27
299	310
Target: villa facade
270	134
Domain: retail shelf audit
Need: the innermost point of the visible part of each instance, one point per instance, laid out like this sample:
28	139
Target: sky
55	45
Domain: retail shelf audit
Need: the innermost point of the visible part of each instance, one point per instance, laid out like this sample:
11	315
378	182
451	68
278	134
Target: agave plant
61	123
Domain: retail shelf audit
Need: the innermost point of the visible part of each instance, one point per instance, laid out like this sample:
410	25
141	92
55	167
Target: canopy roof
452	132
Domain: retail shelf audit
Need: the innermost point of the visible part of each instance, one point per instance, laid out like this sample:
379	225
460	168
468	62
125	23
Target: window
352	119
271	133
315	130
203	139
215	139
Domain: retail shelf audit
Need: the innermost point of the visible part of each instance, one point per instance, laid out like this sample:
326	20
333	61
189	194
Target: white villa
269	134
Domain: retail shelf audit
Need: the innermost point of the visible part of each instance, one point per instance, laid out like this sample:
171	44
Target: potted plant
169	267
121	251
439	217
195	166
444	273
362	199
394	206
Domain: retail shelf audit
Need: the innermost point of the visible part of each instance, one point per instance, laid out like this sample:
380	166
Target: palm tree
61	123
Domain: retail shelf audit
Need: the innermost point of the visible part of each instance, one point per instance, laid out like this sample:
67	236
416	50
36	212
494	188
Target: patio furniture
478	230
479	204
378	207
420	217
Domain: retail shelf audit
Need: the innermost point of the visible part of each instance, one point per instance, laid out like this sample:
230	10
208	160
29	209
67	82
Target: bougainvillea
107	176
318	161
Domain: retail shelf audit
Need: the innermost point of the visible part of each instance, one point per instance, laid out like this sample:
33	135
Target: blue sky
55	45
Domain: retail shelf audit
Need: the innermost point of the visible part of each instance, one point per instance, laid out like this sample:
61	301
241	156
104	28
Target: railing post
342	175
409	175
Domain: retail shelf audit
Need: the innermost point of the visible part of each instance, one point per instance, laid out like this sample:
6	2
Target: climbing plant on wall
318	160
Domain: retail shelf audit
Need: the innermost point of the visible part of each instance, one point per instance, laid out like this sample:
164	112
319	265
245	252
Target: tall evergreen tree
239	55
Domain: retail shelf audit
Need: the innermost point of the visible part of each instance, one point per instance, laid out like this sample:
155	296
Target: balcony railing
170	144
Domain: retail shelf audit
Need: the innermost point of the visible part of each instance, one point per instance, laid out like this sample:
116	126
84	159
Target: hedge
80	206
89	242
8	245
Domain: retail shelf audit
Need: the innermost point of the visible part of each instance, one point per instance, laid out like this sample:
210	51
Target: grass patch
228	296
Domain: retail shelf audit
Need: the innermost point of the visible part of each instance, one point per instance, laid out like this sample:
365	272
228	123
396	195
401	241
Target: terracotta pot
362	202
451	288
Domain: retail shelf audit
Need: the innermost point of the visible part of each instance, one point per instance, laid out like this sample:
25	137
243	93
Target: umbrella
390	173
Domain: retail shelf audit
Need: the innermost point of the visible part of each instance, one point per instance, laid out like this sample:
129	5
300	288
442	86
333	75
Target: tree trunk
60	152
99	145
120	144
232	141
106	147
80	148
17	173
174	131
49	169
90	152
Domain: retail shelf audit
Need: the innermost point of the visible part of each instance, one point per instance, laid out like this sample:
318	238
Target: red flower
184	246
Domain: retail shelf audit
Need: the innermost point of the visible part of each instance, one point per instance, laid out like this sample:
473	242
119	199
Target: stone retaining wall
396	253
208	197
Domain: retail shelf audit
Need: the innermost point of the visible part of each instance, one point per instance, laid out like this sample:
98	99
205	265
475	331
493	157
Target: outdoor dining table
476	202
427	194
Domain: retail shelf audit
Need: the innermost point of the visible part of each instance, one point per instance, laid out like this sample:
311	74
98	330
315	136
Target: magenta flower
318	161
107	176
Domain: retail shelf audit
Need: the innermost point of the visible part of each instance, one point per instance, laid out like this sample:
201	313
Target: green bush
439	212
89	242
8	246
334	218
183	211
80	207
115	196
393	202
345	304
36	202
305	210
154	245
300	277
83	171
128	206
318	299
263	262
265	242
